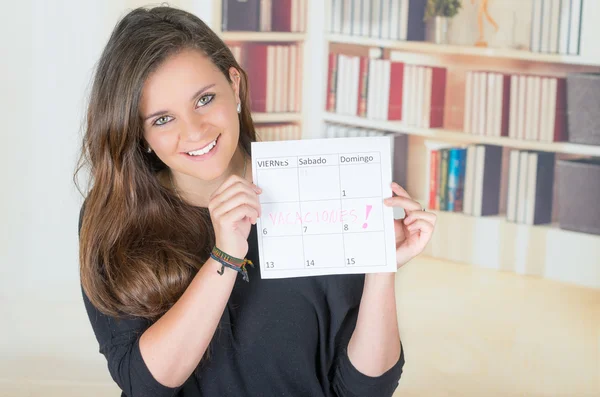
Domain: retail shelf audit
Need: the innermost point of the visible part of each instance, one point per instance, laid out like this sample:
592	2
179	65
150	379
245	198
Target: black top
280	337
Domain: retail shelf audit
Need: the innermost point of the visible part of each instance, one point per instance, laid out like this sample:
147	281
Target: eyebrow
199	92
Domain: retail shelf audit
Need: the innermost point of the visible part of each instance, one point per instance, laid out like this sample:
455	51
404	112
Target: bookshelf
486	241
490	241
277	117
462	50
245	38
274	37
462	137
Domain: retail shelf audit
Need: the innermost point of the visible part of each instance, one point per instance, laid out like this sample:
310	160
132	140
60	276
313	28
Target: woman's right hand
234	207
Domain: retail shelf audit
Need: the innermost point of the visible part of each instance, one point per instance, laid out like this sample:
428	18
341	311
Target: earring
149	150
239	107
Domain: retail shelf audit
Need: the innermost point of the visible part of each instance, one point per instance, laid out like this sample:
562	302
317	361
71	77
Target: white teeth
204	150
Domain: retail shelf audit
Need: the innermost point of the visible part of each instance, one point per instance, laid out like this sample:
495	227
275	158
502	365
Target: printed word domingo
356	159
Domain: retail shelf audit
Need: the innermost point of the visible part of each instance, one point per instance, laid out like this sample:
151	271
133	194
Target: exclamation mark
367	216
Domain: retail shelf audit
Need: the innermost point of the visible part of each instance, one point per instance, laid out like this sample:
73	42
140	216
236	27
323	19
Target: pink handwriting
326	216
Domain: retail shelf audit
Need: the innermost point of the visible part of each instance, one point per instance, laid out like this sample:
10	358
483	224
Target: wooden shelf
431	48
462	137
276	117
263	36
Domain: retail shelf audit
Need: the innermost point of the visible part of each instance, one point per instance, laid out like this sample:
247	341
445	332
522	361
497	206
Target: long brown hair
140	245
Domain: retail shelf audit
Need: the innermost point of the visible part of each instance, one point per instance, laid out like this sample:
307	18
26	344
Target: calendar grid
262	241
308	203
300	207
328	234
341	204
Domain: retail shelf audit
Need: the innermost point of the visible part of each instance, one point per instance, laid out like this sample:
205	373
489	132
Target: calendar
322	206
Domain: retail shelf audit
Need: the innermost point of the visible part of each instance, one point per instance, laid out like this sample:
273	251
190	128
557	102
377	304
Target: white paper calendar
322	206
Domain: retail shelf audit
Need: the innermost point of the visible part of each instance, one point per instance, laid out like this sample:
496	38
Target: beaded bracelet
239	265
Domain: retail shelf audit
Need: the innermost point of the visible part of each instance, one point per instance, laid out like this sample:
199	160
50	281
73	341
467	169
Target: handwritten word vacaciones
326	216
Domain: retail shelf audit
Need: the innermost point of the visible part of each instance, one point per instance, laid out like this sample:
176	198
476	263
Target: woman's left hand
415	230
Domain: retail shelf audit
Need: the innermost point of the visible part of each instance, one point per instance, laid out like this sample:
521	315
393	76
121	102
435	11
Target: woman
168	144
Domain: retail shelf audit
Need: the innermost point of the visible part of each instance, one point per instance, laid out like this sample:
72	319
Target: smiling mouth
206	149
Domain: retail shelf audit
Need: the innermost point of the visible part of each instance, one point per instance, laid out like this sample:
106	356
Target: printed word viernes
325	216
273	163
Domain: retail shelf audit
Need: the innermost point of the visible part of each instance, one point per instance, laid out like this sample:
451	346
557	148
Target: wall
49	52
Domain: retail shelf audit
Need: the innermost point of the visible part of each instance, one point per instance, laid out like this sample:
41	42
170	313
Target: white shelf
462	137
537	250
262	36
431	48
276	117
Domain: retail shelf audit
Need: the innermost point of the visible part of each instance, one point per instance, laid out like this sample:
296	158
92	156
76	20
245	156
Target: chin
214	167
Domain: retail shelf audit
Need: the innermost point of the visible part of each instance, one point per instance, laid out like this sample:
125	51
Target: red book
363	76
281	14
433	179
331	82
438	97
396	90
257	76
560	119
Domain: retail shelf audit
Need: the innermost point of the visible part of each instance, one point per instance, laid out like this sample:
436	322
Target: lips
204	148
214	148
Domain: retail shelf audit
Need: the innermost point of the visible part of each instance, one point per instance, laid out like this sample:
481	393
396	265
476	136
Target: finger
233	180
415	215
240	212
399	190
239	199
232	191
404	202
422	226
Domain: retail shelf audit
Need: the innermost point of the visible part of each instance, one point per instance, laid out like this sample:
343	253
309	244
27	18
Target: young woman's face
188	110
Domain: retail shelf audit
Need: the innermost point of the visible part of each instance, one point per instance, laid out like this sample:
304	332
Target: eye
162	120
205	99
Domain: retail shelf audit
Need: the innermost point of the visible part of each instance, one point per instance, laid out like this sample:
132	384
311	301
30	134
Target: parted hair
139	245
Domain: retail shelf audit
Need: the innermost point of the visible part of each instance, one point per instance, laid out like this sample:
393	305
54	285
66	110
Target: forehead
180	75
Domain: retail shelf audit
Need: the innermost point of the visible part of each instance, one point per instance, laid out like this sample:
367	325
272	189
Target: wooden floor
466	332
477	332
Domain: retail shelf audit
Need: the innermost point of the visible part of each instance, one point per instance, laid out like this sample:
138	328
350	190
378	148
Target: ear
234	76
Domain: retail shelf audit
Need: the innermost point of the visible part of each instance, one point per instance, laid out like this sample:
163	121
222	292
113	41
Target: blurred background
493	108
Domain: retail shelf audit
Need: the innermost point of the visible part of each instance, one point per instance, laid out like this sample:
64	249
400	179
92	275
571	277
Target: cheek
162	141
228	120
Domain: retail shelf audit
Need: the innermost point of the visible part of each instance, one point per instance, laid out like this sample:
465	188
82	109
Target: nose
194	129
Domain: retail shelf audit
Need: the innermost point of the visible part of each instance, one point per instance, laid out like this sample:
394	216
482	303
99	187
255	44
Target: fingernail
407	220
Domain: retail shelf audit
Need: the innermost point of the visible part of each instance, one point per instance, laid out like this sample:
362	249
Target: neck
197	192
